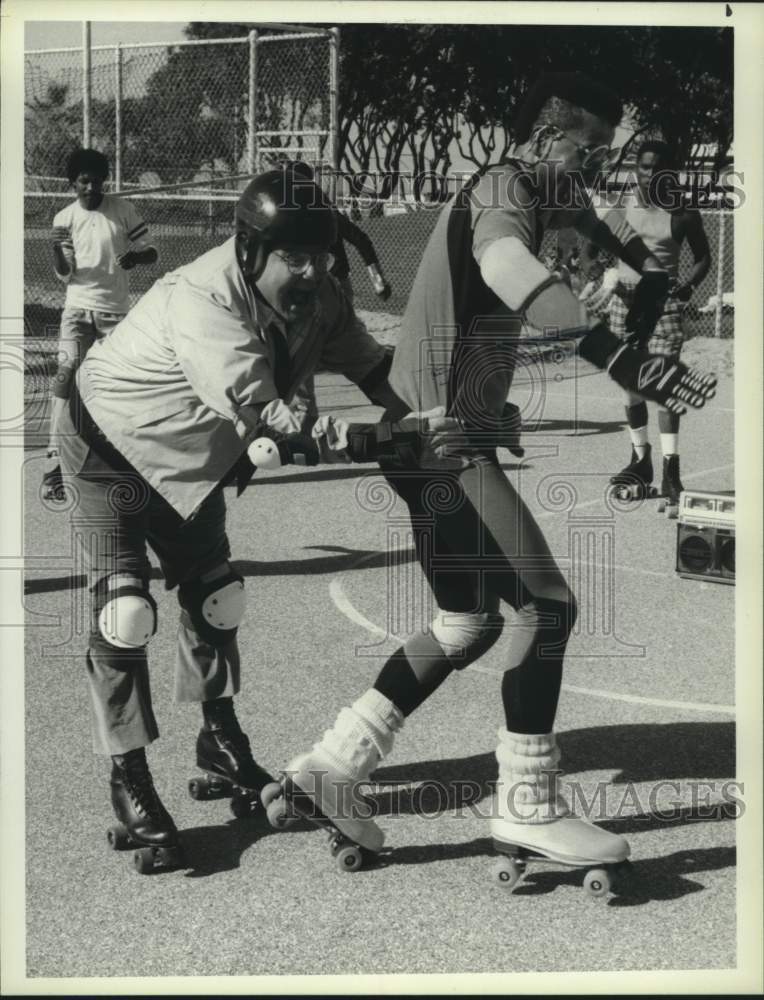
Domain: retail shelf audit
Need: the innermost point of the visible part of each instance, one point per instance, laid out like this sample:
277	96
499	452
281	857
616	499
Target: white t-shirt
99	237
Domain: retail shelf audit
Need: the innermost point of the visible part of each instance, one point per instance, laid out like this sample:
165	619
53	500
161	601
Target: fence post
334	75
719	273
251	143
86	83
118	119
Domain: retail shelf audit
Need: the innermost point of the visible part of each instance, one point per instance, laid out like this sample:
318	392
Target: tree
52	130
434	91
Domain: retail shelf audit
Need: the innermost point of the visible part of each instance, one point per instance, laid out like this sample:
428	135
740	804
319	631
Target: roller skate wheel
144	860
276	811
349	859
241	806
199	788
118	838
620	876
597	883
270	793
507	873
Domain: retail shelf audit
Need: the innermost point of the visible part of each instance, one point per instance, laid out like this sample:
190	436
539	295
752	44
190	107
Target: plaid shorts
668	335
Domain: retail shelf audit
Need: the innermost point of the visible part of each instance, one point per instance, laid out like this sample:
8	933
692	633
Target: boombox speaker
705	539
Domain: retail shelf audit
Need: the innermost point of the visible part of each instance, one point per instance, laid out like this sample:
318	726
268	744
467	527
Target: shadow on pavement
210	850
579	428
342	560
700	752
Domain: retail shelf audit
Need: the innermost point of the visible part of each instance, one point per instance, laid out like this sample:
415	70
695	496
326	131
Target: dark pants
478	544
117	515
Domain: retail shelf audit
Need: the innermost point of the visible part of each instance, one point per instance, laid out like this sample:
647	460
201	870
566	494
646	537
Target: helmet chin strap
252	254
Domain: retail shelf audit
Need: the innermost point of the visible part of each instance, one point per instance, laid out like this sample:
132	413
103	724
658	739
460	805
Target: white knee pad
215	604
464	637
224	608
128	619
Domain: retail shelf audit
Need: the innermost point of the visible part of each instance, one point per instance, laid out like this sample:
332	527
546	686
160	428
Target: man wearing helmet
161	418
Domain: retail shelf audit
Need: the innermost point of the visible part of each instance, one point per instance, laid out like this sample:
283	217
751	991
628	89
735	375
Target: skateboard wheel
144	860
349	859
118	838
241	806
597	882
507	873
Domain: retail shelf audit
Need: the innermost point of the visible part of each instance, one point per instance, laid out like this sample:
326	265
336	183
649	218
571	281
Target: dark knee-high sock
530	690
413	672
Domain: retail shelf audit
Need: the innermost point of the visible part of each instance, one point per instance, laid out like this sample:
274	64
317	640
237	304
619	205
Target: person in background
97	240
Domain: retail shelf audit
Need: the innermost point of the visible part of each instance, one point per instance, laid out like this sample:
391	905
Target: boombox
705	539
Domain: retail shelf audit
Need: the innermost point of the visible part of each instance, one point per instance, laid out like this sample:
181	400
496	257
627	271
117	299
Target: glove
655	377
684	292
647	308
424	440
127	260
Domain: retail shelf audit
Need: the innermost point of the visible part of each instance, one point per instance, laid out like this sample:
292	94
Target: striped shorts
668	335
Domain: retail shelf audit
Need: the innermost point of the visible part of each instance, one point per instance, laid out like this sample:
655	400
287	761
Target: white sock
670	444
638	437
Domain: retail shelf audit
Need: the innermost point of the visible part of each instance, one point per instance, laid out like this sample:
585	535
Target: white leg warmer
527	789
362	735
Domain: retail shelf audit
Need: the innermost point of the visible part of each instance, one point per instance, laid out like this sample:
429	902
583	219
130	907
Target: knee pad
215	607
541	628
128	618
465	637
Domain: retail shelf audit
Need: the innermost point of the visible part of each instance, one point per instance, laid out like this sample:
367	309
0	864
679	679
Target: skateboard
244	801
599	879
285	802
146	860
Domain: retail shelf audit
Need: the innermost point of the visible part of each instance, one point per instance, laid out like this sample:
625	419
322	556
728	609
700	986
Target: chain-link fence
187	111
204	115
400	239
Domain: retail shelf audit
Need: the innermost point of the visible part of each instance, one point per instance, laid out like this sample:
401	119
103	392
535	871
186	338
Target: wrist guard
392	443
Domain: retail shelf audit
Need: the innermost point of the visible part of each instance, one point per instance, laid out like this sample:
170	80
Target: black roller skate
223	752
144	823
671	487
52	480
635	481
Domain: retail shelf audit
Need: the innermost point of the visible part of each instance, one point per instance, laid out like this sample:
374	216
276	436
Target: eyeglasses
600	158
298	263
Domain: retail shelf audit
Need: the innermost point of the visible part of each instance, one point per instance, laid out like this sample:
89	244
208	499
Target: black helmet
282	210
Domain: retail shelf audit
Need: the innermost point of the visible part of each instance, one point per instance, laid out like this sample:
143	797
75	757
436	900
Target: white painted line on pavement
346	607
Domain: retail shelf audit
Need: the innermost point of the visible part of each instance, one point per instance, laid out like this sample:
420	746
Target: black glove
683	292
653	376
647	308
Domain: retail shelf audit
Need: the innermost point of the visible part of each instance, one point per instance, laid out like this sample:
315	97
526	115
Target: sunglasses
298	263
600	158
